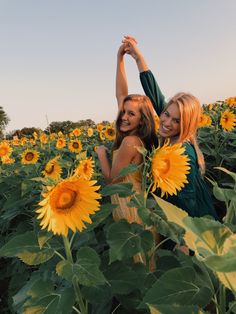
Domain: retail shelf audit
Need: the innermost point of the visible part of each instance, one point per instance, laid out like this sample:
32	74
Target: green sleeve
194	198
186	199
152	90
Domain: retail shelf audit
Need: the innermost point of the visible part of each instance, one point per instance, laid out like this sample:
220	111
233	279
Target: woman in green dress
179	119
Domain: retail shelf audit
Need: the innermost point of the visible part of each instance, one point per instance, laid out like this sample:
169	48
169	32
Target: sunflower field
62	252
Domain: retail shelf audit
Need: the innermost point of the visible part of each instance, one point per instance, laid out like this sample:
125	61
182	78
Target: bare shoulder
132	140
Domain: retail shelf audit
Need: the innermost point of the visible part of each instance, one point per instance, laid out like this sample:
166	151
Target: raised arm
121	80
147	79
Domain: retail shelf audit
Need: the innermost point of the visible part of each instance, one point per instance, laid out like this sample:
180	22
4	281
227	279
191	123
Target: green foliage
4	120
94	271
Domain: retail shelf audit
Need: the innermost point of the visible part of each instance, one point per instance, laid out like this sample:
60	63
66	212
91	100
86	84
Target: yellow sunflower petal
68	205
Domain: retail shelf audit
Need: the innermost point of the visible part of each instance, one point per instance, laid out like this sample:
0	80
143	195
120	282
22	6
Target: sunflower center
49	168
3	151
86	168
29	156
165	166
75	145
110	132
66	199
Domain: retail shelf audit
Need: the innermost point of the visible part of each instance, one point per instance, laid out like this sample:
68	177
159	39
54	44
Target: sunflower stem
75	283
67	249
79	299
58	254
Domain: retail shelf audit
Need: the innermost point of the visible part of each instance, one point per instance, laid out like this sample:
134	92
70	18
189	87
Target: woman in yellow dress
135	127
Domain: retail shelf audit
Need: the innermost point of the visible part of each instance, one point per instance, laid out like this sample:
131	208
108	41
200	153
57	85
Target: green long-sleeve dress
194	198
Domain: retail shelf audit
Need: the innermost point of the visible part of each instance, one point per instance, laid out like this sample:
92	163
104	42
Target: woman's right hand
121	51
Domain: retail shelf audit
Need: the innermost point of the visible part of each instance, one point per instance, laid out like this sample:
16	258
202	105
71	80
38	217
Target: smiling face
170	122
130	118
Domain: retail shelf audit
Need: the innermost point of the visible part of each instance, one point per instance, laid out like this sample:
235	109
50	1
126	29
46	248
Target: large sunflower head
228	120
5	149
75	146
53	169
110	133
61	142
169	169
29	156
85	169
205	120
68	205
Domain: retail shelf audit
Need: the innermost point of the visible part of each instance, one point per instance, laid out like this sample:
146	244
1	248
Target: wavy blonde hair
190	112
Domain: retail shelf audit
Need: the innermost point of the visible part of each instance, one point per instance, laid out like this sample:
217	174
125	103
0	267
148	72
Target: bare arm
134	51
121	80
104	162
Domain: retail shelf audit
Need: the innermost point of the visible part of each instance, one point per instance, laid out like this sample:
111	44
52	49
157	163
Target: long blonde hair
190	112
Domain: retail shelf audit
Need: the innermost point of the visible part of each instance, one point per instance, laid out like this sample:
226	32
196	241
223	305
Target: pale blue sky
58	57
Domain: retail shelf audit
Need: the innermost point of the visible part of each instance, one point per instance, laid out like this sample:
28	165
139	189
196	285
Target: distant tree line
4	119
54	127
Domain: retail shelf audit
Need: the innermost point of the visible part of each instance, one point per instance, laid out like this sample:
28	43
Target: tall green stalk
79	299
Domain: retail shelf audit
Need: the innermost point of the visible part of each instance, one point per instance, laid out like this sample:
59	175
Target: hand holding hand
121	51
131	47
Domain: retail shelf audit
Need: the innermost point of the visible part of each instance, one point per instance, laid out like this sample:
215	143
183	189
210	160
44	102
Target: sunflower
90	132
110	133
100	127
85	169
75	146
60	134
5	149
29	156
43	138
228	120
169	168
15	141
210	106
52	169
205	120
7	160
231	101
68	205
32	141
23	141
35	135
76	132
102	136
61	142
52	136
